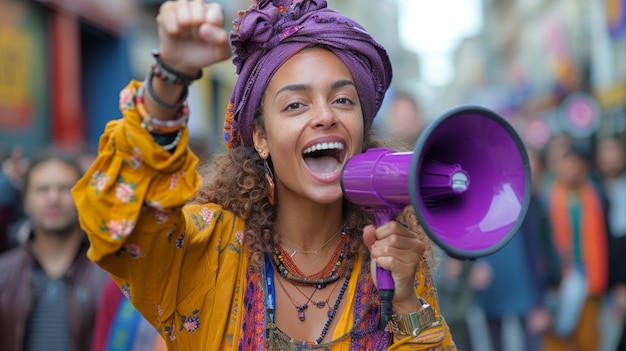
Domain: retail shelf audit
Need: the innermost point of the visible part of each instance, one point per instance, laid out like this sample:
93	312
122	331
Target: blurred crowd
558	284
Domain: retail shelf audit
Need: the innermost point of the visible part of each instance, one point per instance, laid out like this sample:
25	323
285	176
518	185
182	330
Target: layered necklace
338	265
301	308
330	273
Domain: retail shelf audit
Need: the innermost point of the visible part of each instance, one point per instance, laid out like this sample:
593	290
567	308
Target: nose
324	117
55	194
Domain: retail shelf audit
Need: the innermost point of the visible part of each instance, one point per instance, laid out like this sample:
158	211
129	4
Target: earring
269	176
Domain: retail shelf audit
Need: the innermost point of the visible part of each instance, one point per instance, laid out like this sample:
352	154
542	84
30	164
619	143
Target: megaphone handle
384	281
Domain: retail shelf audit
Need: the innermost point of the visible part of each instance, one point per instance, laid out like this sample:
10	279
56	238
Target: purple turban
272	31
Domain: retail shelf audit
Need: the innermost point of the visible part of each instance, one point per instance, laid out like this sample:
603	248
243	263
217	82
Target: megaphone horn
468	180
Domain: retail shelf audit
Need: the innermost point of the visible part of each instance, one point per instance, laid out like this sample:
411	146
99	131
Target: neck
308	229
56	252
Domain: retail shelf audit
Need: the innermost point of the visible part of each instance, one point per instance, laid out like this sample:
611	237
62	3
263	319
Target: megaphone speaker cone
470	181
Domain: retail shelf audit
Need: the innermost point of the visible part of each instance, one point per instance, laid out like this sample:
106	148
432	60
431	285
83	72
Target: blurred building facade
65	61
61	64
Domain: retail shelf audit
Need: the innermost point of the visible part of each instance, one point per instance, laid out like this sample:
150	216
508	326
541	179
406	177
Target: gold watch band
414	322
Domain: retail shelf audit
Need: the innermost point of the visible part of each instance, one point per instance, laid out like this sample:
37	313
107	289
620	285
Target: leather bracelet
158	101
170	75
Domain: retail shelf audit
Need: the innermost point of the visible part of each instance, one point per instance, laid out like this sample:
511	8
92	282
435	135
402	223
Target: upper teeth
324	146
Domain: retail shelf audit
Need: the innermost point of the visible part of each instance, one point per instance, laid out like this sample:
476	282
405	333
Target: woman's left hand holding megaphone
398	250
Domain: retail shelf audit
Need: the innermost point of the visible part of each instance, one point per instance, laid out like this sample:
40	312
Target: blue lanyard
269	284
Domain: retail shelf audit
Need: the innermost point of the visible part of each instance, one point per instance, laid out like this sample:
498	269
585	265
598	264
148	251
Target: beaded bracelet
156	125
158	101
170	75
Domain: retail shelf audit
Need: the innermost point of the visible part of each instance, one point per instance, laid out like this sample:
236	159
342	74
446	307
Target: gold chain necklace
288	246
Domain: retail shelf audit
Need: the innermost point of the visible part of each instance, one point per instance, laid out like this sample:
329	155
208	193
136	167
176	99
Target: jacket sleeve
130	205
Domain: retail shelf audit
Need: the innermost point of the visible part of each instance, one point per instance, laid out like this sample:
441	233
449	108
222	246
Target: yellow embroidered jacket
184	267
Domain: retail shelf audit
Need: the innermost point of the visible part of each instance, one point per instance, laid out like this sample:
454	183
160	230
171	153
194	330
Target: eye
344	101
293	106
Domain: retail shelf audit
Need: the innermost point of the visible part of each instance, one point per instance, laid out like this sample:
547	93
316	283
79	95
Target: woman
268	255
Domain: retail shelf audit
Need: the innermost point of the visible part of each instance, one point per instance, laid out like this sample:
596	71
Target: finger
409	254
183	14
214	15
197	12
394	228
369	236
213	35
167	18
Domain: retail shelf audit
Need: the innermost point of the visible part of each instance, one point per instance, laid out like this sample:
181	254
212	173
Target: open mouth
324	158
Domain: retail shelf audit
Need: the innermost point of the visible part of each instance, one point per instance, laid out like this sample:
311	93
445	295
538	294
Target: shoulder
13	263
13	257
214	220
211	213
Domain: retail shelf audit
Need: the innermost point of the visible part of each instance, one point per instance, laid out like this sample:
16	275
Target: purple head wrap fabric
272	31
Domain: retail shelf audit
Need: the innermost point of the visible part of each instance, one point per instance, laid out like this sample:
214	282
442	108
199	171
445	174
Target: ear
260	142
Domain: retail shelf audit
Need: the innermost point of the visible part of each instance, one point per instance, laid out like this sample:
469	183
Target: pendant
301	309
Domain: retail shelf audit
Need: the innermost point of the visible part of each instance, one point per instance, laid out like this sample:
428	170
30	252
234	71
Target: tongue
323	164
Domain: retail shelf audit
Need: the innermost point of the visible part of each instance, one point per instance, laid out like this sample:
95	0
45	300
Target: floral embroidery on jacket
118	229
126	290
162	216
190	323
125	192
171	233
127	98
133	250
99	180
171	333
205	218
180	240
175	179
135	159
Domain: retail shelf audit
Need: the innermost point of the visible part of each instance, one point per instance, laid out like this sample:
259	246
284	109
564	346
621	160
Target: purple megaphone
468	180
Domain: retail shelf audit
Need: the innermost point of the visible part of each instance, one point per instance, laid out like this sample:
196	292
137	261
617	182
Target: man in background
49	290
403	120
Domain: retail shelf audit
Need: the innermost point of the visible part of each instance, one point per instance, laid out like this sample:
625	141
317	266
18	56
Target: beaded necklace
321	303
300	307
275	335
303	307
330	273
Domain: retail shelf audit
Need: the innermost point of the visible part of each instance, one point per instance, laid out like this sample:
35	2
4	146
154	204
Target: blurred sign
537	132
22	65
24	99
580	115
15	107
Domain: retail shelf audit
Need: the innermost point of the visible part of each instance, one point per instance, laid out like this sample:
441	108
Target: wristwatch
414	322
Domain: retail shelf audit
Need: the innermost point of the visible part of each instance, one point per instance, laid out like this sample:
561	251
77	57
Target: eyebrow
304	87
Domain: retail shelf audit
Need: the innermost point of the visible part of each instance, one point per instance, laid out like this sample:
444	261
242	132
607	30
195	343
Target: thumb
369	236
212	34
